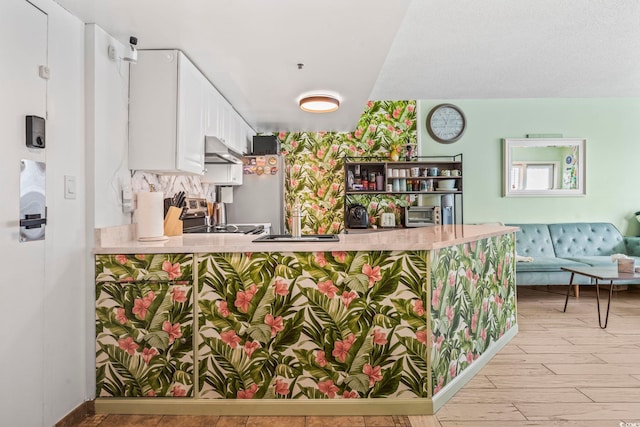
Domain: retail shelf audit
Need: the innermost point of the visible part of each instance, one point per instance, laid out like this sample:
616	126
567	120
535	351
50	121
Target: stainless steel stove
194	220
229	228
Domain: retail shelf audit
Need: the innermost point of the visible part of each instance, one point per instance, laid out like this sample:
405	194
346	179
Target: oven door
421	216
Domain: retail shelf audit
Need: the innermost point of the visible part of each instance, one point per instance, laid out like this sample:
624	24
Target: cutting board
172	222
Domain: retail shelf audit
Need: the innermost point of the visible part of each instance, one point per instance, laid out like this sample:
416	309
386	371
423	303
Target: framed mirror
544	167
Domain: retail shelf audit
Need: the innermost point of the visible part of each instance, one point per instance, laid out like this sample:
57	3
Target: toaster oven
422	216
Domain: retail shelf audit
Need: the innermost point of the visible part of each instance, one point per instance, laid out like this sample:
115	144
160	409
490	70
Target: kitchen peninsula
380	323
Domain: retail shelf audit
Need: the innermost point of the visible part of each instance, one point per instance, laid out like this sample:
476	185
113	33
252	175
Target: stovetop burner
230	228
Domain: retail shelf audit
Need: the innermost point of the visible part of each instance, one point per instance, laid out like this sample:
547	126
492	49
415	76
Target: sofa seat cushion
599	261
547	264
586	239
545	278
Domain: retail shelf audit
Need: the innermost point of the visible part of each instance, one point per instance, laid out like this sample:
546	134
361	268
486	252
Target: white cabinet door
246	137
191	105
166	129
222	174
214	118
224	121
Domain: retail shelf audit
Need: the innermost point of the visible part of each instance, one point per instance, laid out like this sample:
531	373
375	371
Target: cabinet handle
183	340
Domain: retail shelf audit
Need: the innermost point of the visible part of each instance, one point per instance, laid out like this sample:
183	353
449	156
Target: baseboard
74	417
264	407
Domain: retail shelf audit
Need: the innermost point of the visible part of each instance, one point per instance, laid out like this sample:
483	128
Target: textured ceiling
385	49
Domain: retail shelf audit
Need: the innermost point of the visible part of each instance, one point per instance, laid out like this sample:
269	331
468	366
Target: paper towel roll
149	216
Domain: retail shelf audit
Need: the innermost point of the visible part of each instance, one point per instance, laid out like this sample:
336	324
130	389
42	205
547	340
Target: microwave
422	216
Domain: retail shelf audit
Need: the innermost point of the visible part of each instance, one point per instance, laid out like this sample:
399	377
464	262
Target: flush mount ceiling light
319	103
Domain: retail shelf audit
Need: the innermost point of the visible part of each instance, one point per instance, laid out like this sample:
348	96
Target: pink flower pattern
148	353
250	347
339	256
248	393
141	305
173	270
128	345
320	259
379	337
230	338
223	308
348	297
320	358
281	387
373	273
418	308
280	287
373	373
243	300
275	323
328	388
326	288
173	330
179	294
121	315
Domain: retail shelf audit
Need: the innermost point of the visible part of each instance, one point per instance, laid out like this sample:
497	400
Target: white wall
107	94
61	345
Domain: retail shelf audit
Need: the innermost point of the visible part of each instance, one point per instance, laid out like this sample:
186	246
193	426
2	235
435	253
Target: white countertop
121	240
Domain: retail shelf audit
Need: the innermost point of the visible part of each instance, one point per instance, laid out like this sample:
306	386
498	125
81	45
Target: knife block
172	222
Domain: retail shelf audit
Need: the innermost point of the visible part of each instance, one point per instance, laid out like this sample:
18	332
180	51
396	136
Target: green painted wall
611	127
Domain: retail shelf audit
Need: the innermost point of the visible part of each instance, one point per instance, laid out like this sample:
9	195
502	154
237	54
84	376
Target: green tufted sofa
553	246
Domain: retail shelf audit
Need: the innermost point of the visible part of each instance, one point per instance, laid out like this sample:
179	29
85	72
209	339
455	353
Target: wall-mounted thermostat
35	132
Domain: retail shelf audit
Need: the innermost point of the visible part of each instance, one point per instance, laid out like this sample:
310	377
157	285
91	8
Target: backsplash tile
171	184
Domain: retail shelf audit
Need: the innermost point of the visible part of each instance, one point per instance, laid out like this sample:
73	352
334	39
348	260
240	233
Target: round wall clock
446	123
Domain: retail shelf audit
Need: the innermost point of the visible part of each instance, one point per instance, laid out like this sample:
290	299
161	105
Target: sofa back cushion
534	240
586	239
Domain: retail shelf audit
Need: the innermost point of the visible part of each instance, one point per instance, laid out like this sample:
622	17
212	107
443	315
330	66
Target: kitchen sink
303	238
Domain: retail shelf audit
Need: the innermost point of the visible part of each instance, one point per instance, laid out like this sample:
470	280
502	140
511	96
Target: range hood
216	151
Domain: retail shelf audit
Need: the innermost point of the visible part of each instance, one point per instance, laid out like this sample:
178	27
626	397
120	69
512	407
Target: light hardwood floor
560	370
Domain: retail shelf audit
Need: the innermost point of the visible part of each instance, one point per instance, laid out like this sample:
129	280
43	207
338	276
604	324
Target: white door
23	46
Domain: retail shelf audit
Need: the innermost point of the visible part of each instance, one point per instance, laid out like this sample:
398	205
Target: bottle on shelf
357	179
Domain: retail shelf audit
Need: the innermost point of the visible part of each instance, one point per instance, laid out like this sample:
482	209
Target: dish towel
520	258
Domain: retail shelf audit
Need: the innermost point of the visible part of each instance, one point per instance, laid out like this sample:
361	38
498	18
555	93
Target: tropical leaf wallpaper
312	325
300	325
473	303
315	163
144	325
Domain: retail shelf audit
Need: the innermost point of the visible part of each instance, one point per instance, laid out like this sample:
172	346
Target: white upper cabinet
166	114
172	108
223	122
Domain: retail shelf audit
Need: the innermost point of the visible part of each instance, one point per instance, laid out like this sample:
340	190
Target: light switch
69	187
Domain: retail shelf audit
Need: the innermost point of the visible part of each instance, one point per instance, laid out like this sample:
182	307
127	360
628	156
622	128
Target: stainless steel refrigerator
260	198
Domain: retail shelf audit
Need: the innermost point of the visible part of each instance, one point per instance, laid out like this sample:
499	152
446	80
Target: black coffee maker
357	216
